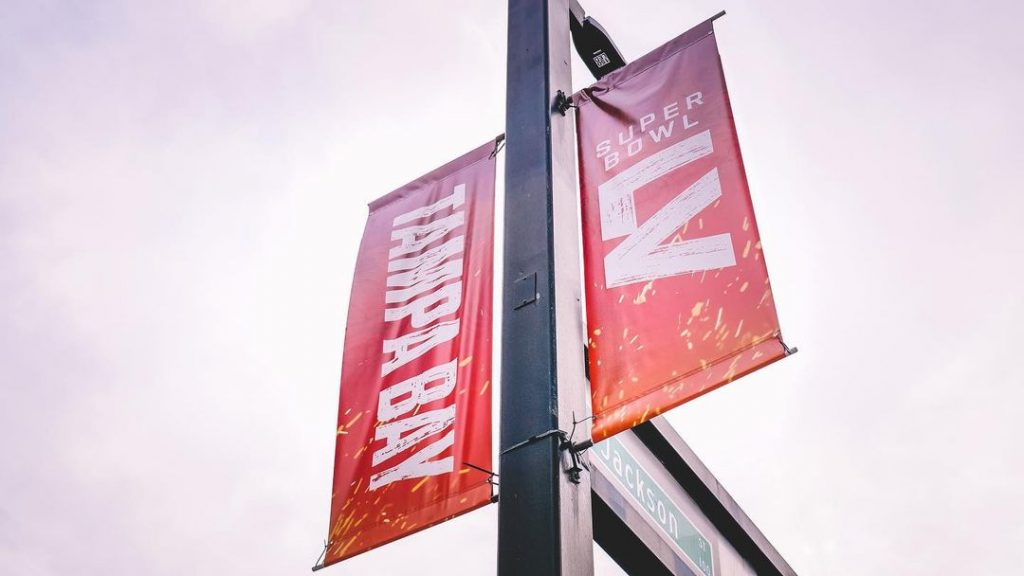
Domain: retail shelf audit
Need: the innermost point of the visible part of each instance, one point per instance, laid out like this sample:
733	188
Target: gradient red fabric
415	403
678	297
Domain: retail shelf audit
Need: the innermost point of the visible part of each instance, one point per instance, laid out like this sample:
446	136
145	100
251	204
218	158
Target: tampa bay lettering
424	285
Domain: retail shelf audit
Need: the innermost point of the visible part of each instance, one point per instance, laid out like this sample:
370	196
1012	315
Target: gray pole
544	519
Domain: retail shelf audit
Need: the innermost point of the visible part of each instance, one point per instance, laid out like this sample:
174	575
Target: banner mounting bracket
562	103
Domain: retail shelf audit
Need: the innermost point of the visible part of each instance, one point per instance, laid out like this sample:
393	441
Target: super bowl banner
678	298
415	410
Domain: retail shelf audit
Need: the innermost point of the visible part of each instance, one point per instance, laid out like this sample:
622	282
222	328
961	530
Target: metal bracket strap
565	443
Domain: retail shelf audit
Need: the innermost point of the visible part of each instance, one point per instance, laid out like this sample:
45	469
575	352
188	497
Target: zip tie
565	443
499	145
788	351
484	470
534	438
317	565
584	445
490	474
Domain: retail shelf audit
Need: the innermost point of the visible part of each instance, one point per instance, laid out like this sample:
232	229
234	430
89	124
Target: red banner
415	406
678	299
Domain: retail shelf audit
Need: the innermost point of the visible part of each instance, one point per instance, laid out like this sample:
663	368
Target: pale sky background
182	192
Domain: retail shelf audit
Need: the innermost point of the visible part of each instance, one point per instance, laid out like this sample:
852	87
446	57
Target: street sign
622	463
658	510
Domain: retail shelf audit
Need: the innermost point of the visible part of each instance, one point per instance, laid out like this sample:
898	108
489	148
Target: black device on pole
593	43
544	515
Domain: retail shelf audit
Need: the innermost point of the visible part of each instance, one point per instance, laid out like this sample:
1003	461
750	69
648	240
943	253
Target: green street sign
656	504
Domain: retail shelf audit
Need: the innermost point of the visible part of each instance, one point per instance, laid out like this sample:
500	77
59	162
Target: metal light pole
544	515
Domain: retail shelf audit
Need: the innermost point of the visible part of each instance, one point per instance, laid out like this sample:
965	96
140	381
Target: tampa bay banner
678	298
415	408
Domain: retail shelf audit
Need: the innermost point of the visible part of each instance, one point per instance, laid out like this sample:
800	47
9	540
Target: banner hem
482	493
601	432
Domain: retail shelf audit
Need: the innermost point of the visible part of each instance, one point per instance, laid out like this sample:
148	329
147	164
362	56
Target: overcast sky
183	187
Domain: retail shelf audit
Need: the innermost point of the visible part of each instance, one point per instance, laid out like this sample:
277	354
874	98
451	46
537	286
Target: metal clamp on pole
565	443
575	454
562	103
